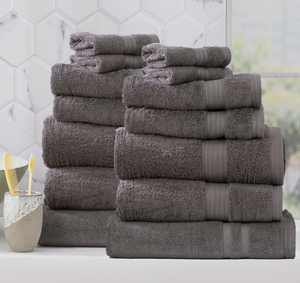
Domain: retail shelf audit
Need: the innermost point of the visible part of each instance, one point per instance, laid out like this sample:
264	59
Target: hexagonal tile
98	23
52	36
29	8
39	122
216	31
16	127
184	31
7	83
163	10
6	6
16	46
76	9
119	10
33	84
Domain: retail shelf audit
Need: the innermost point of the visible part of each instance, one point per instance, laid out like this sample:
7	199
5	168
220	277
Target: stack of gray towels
200	173
78	139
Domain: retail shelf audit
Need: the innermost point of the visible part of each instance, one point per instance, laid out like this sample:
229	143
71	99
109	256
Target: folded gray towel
106	112
208	239
256	161
74	228
169	200
81	188
108	63
184	74
159	56
71	80
241	123
88	44
77	144
233	91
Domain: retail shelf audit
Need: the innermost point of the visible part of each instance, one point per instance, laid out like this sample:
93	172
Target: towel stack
78	140
200	174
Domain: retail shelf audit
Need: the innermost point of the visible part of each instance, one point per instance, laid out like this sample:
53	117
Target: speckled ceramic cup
22	220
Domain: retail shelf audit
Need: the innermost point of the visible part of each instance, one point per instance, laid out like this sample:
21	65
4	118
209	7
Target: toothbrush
31	168
10	173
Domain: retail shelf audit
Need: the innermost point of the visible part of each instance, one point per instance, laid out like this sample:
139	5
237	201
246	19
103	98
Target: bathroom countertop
49	264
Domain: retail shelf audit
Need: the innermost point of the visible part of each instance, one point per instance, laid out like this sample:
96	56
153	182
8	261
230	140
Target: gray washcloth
159	56
77	144
256	161
208	239
88	44
184	74
81	188
233	91
171	200
108	63
71	80
241	123
74	228
106	112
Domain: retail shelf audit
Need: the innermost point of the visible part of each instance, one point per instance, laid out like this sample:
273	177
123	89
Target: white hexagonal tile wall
16	46
39	121
6	7
7	83
215	32
34	10
33	84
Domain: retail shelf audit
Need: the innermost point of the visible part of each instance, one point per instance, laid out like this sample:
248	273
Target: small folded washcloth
233	91
108	63
180	75
159	56
81	188
208	239
256	161
88	44
170	200
241	123
106	112
72	80
74	228
77	144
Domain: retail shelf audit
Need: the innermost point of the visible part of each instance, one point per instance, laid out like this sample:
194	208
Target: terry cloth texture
77	144
208	239
106	112
233	91
72	80
81	188
159	56
74	228
241	123
256	161
88	44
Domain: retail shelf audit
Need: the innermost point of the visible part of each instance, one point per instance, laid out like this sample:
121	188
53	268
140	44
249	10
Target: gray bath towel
71	80
77	144
170	200
88	44
108	63
233	91
81	188
256	161
159	56
242	123
180	75
208	239
106	112
74	228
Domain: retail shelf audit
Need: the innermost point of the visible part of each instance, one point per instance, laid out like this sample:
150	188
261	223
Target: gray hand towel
74	228
88	44
184	74
233	91
241	123
159	56
108	63
71	80
171	200
106	112
77	144
256	161
81	188
208	239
